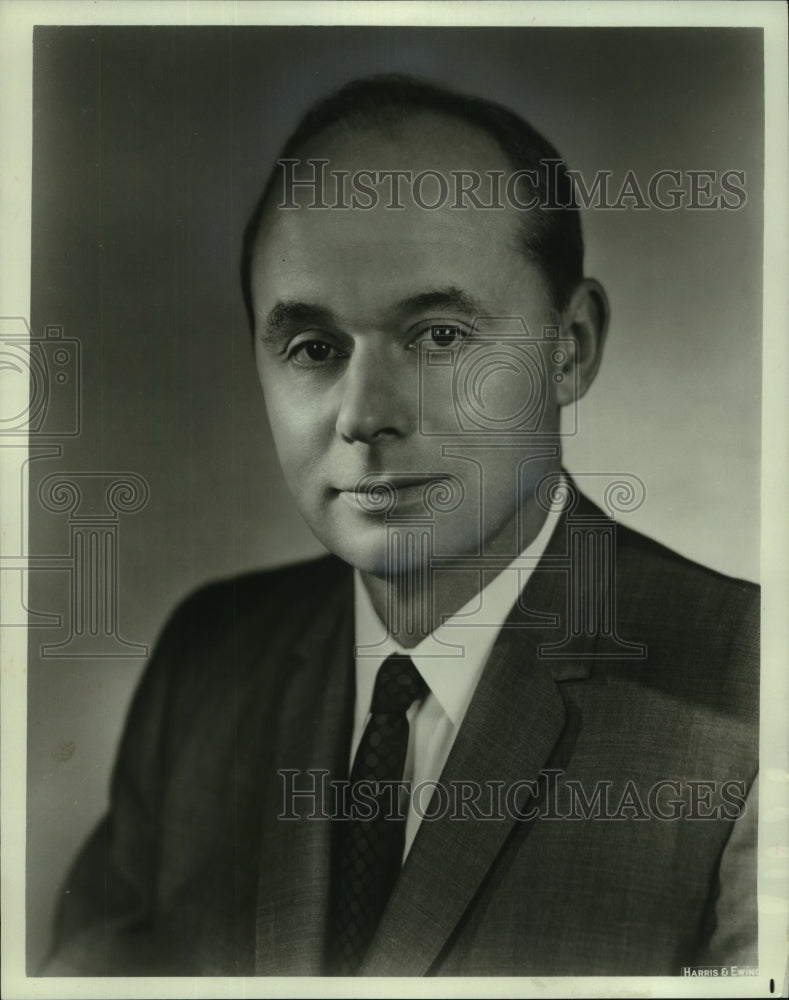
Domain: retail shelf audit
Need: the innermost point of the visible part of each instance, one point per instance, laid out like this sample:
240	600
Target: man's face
349	303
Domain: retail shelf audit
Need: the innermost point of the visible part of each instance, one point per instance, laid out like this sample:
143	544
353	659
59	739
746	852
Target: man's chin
387	550
368	555
373	546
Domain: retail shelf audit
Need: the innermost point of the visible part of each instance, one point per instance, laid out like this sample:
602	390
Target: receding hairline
391	123
554	242
391	127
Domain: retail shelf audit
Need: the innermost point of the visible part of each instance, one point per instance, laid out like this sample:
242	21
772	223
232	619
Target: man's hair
550	236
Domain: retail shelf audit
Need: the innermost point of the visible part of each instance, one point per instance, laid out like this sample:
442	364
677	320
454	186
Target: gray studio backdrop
150	146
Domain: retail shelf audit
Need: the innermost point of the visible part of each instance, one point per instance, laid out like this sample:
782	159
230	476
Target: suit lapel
513	726
312	734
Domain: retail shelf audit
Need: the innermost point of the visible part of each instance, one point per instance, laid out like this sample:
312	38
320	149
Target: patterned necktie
368	852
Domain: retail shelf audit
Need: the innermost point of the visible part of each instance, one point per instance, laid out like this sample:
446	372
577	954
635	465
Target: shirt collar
452	657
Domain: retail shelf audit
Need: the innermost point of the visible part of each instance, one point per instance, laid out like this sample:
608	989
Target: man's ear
585	319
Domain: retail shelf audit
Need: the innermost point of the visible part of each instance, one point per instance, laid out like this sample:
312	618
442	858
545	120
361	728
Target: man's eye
310	353
437	335
443	334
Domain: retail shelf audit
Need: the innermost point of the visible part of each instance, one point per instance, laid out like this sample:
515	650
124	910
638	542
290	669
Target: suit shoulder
644	563
227	632
658	564
218	607
274	585
701	627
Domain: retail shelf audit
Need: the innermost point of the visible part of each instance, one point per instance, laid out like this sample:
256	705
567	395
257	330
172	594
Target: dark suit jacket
193	873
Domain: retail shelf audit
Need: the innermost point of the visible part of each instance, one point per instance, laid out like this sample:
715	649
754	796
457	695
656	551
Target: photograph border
17	19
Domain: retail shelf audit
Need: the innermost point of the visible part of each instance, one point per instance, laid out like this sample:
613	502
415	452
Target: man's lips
379	494
388	482
384	493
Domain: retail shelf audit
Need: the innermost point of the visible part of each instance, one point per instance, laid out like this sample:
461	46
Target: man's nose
374	398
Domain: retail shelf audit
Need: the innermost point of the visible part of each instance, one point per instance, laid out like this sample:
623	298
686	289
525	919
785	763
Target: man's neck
413	605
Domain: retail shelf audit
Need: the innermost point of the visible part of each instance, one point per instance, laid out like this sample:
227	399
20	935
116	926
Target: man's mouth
372	483
379	494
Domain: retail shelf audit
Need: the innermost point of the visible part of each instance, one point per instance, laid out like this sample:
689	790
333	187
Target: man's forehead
431	151
361	277
384	255
419	140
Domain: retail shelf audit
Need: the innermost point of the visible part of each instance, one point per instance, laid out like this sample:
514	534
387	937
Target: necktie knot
398	685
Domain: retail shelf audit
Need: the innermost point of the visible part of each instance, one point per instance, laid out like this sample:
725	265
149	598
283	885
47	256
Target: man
493	733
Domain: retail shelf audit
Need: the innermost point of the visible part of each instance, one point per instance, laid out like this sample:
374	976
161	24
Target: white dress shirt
451	660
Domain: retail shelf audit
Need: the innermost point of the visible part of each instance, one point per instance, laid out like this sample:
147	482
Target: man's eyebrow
287	314
450	299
